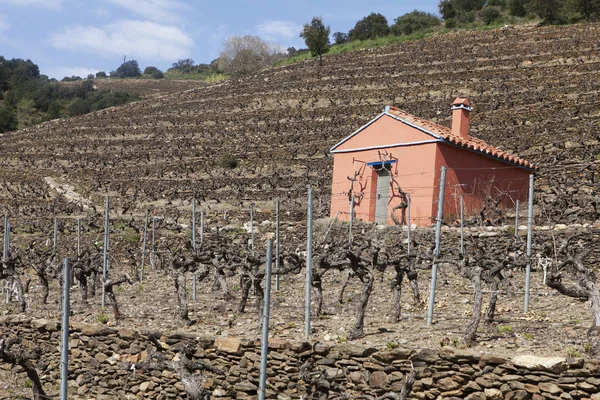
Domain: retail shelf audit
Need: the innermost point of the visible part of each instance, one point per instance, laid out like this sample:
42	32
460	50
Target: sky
81	37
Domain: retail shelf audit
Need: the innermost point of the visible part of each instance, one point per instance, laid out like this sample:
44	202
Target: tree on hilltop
316	37
243	55
414	21
370	27
184	65
129	69
340	38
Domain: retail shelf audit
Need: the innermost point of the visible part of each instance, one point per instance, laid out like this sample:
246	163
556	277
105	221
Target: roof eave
533	168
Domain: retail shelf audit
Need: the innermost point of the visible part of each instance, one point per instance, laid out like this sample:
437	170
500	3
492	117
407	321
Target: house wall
384	131
413	171
476	176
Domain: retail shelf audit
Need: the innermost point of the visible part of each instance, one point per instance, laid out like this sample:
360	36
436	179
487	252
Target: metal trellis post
5	251
252	227
105	255
516	229
194	246
462	225
194	224
265	324
201	227
529	233
309	235
277	238
350	238
55	236
78	236
408	222
64	360
438	233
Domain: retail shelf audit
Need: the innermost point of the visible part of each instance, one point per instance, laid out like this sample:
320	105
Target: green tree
78	107
340	38
8	119
129	69
550	11
459	9
490	14
589	9
370	27
149	70
517	8
157	74
26	112
184	65
316	37
54	110
413	22
100	74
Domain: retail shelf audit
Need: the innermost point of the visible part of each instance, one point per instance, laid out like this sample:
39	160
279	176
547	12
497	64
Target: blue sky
76	37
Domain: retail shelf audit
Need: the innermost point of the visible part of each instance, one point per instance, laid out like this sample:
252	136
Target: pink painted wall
385	131
413	171
474	176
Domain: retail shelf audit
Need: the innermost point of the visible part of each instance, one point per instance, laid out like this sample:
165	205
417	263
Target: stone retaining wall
102	359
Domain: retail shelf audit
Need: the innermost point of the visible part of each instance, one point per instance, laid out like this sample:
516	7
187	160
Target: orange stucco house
397	155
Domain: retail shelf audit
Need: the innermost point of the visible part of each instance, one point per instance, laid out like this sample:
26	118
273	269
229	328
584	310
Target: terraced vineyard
535	93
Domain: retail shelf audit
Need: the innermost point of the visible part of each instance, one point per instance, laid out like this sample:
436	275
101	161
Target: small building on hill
397	155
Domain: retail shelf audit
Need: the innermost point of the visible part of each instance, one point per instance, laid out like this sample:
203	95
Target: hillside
142	88
535	93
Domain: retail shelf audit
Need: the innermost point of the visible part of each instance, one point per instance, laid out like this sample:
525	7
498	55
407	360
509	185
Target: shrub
228	161
150	70
491	14
8	119
129	69
100	74
246	54
413	22
370	27
102	318
340	38
157	74
451	23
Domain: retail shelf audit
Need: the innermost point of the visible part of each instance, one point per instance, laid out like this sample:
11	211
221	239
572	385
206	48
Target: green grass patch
209	79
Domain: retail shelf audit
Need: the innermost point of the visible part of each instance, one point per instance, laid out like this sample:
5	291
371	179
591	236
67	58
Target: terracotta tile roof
471	143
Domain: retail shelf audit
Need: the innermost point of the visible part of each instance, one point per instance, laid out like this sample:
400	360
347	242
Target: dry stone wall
104	365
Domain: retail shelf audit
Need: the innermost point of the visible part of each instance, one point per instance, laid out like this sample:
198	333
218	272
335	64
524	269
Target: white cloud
135	39
156	10
4	25
61	72
275	30
56	4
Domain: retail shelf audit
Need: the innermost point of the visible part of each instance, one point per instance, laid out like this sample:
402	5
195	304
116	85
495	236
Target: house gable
384	131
